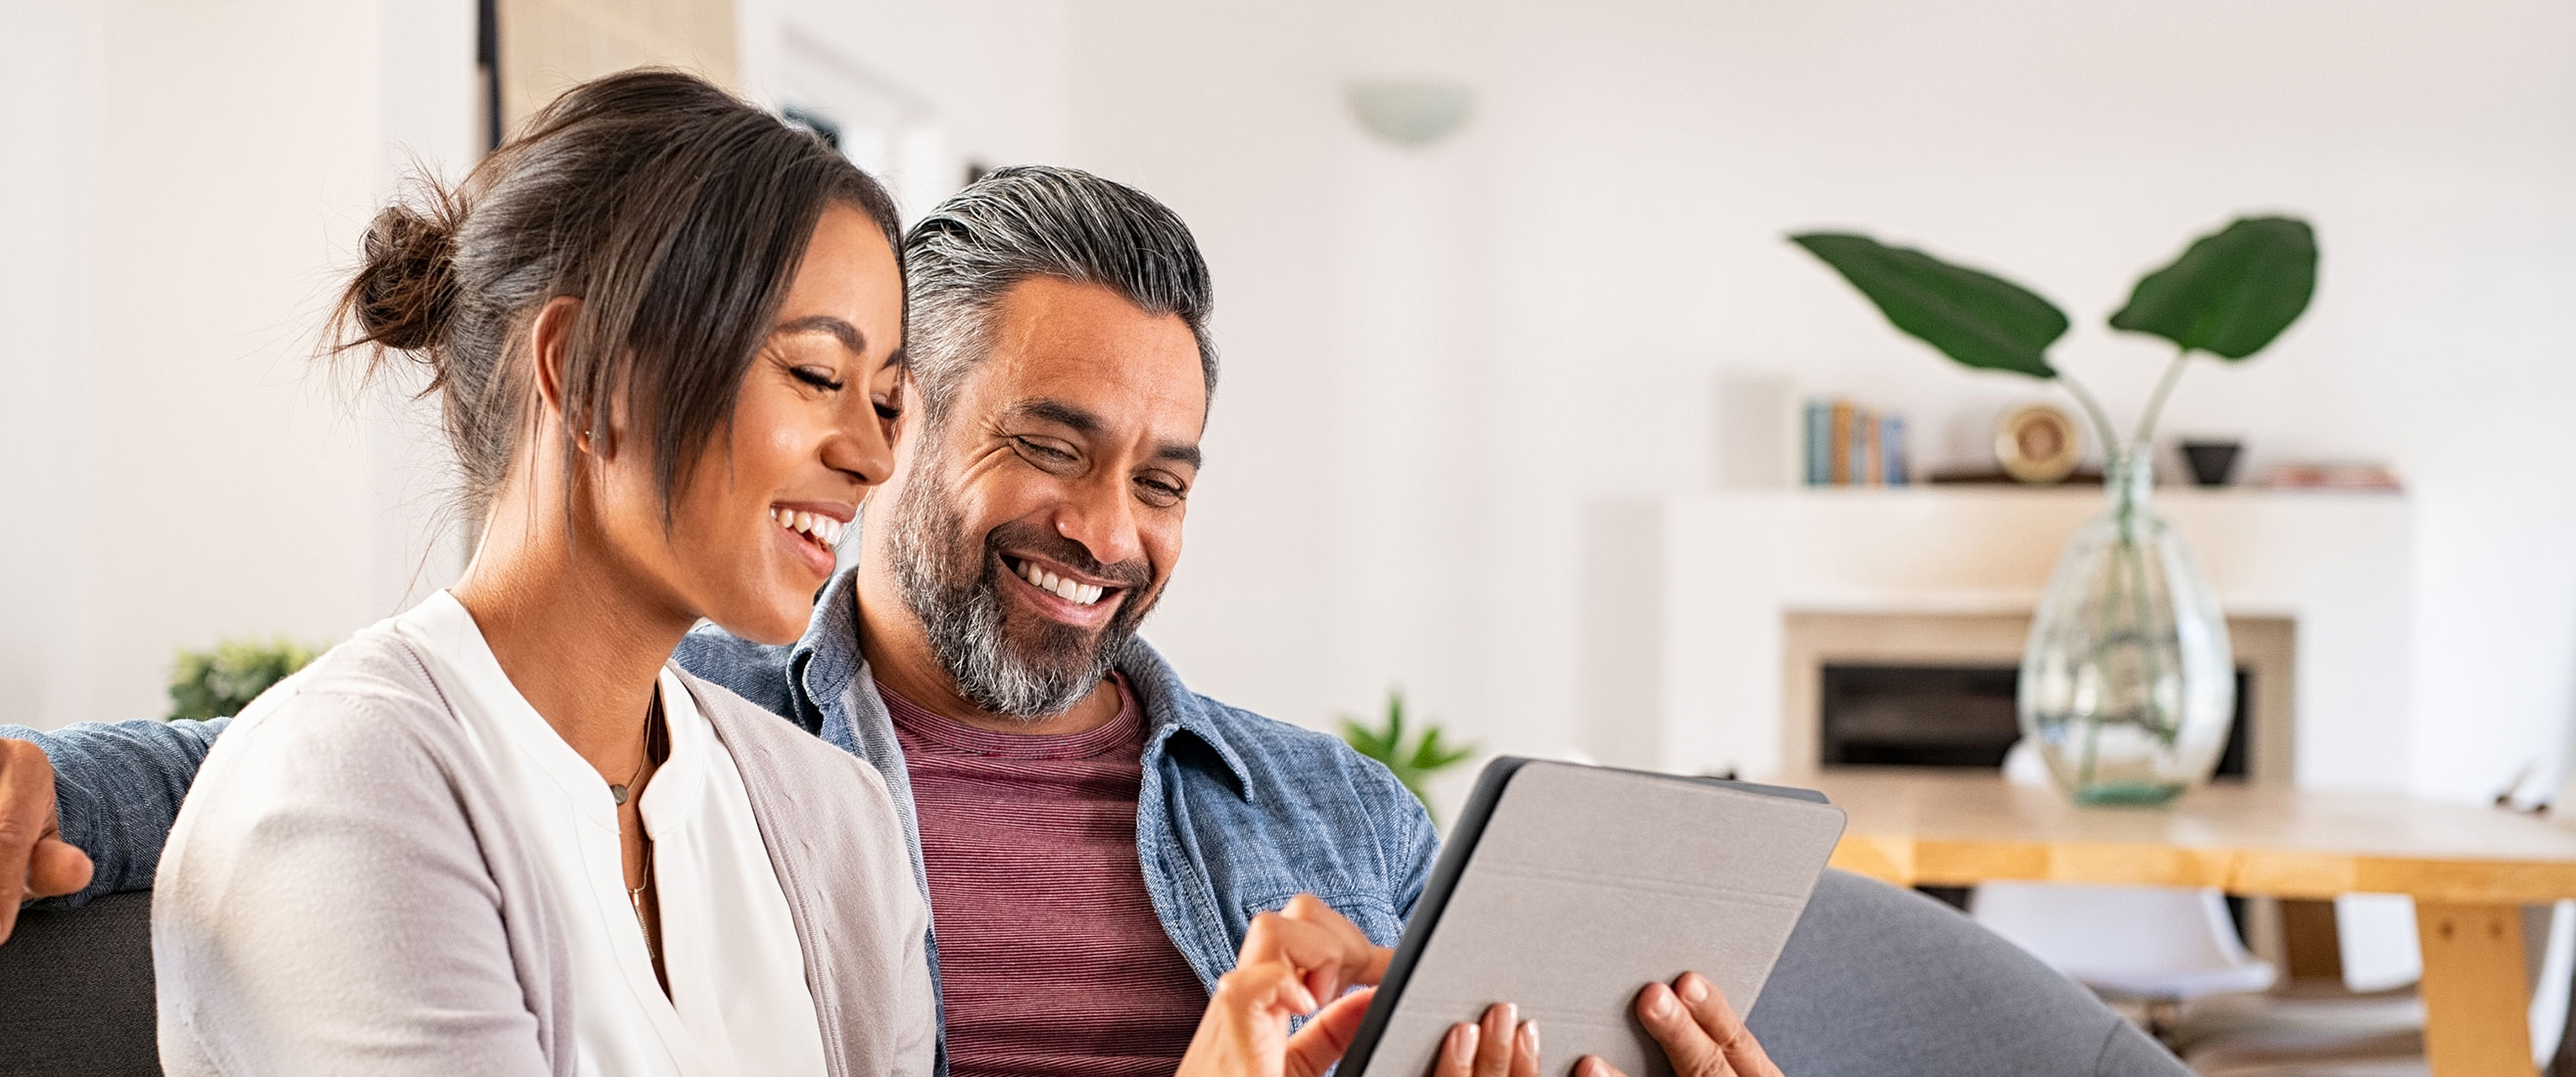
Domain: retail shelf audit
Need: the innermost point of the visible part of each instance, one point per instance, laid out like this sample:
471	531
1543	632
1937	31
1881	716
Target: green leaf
1977	318
2232	292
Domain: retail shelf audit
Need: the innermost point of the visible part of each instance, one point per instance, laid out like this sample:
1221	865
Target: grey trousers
1882	981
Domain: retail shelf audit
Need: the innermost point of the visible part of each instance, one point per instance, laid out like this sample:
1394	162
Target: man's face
1039	519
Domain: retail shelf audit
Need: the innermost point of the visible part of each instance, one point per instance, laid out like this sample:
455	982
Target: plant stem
2111	443
2164	388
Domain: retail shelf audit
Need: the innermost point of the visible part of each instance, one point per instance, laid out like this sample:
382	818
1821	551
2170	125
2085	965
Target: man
1094	837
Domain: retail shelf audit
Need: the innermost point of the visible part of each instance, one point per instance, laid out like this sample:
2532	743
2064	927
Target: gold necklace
656	744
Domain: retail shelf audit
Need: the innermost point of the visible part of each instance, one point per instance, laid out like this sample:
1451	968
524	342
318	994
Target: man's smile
1063	594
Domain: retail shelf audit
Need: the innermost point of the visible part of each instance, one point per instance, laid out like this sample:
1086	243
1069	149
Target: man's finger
1709	1008
1692	1051
26	815
1317	1046
56	869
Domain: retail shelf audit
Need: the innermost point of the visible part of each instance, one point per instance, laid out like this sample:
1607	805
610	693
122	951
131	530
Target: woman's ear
549	344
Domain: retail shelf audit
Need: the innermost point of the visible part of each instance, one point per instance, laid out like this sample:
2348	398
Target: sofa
1875	982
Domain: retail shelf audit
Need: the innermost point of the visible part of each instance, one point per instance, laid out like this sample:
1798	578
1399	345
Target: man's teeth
1080	594
823	529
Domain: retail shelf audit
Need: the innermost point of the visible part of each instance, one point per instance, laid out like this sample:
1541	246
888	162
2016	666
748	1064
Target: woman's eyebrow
847	334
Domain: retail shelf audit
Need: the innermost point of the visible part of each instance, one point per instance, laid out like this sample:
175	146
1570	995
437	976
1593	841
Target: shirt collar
826	660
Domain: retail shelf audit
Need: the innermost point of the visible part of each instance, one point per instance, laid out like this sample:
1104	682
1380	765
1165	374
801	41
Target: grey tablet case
1565	888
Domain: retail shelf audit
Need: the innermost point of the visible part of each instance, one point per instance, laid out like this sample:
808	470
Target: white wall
1435	359
184	182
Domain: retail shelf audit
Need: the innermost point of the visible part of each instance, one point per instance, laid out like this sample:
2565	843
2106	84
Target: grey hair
1030	221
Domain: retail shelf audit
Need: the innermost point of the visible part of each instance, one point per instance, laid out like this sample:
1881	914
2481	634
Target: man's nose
1102	517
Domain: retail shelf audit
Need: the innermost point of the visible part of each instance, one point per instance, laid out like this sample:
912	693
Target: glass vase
2128	686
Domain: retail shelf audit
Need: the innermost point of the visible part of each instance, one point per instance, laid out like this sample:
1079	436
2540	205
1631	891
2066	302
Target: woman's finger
1315	1048
1709	1009
1458	1051
1525	1050
1309	909
1694	1053
1326	948
1494	1040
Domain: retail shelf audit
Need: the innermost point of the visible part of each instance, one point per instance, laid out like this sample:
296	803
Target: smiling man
1095	837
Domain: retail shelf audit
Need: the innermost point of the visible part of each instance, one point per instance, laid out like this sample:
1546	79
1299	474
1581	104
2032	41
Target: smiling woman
500	832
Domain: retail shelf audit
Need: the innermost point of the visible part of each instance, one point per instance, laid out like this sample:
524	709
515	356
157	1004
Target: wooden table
2469	869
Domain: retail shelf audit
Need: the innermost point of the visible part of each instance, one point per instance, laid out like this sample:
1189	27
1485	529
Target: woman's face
754	522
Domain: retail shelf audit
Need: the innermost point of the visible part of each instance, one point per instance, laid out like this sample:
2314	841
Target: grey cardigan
388	919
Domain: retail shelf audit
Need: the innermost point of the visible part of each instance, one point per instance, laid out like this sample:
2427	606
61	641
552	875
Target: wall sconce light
1411	112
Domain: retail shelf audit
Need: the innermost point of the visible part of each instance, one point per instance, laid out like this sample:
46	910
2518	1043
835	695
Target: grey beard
952	584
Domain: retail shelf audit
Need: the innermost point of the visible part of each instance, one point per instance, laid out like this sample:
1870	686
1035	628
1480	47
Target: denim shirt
1237	813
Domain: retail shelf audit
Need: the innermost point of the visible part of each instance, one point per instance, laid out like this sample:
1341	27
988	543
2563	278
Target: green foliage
1415	761
218	683
1974	317
2232	292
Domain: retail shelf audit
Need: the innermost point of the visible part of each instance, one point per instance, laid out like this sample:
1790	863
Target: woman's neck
582	640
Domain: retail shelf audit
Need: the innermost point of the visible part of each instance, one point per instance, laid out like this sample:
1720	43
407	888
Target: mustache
1023	537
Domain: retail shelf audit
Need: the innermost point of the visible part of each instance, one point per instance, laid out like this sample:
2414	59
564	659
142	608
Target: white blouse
738	1001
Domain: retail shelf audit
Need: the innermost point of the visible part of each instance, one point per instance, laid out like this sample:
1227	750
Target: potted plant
220	682
1413	759
2127	684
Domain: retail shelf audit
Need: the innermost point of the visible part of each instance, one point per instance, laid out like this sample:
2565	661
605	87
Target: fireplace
1936	690
1945	716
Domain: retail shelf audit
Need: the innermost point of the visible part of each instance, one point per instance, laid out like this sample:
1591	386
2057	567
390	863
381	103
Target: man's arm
113	787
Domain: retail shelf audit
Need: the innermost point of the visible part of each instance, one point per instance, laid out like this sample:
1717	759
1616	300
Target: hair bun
406	292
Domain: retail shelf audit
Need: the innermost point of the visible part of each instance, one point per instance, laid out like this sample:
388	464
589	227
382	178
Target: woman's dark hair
676	212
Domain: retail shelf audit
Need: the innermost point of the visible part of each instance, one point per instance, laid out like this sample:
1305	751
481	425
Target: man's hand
31	835
1700	1033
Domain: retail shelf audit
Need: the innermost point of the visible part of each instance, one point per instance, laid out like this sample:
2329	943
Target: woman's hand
1700	1033
1292	961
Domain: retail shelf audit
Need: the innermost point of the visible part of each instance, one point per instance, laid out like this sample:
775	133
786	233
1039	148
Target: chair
76	992
1877	980
2163	946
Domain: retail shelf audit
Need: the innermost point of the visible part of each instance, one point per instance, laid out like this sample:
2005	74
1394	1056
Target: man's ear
549	344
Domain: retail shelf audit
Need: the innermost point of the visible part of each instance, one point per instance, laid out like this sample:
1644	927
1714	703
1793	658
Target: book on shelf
1850	445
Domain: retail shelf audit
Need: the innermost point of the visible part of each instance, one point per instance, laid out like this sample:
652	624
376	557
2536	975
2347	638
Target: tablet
1566	888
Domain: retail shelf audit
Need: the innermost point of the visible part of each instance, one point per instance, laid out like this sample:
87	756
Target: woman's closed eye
820	378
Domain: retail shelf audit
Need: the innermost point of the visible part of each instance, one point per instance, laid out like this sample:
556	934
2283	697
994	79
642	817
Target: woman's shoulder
363	712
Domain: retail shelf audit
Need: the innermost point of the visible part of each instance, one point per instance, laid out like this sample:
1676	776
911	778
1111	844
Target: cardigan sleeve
325	907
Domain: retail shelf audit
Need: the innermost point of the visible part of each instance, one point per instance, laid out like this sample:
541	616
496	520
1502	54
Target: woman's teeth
1080	594
823	529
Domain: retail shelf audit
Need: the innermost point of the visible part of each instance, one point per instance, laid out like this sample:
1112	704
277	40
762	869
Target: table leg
2477	997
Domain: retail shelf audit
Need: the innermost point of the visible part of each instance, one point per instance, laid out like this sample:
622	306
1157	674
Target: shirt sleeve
1414	845
325	907
118	786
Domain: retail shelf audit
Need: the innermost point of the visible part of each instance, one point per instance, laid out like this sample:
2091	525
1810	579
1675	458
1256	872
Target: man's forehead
1089	348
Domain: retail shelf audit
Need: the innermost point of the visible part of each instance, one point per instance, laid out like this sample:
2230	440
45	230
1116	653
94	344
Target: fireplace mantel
1687	598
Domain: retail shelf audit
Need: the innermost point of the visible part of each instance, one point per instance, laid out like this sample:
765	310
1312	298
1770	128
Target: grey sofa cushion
76	991
1880	982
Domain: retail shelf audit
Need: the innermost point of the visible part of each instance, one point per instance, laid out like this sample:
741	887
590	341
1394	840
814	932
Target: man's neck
897	649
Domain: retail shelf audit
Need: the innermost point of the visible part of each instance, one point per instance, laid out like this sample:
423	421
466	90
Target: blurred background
1515	350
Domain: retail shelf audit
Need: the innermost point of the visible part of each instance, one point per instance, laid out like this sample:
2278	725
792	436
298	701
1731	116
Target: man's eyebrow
847	334
1058	412
1178	452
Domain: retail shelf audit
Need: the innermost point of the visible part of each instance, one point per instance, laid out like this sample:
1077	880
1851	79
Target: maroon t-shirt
1051	959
